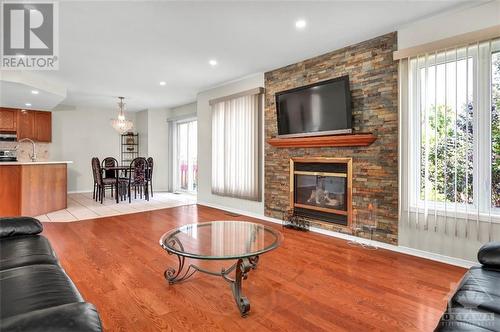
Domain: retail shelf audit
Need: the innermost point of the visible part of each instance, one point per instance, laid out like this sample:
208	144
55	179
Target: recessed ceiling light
213	62
27	104
163	83
35	92
300	24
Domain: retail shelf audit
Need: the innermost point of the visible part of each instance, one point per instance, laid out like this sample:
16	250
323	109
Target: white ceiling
109	49
19	95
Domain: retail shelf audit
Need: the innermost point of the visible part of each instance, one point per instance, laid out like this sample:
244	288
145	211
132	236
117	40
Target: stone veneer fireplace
374	94
321	189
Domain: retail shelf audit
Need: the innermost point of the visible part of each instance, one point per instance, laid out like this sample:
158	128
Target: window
454	129
236	145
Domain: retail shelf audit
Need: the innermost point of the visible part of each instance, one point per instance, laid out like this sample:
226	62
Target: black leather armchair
36	293
475	306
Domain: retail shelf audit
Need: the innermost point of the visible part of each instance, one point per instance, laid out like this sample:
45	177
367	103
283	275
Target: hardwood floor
311	283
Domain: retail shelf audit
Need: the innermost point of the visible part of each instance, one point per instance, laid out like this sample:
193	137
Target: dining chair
149	174
110	173
137	178
95	163
101	183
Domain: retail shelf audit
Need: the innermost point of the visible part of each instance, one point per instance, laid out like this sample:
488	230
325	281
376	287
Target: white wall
205	146
158	147
449	24
80	134
141	127
152	126
180	111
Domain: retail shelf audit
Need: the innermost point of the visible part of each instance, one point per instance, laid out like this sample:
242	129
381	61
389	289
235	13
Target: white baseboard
401	249
79	191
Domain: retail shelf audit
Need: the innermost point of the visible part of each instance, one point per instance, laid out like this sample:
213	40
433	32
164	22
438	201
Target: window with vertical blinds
236	146
451	140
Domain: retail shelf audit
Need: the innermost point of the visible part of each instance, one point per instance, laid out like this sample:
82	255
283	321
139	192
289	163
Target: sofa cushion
35	287
73	317
480	288
489	255
25	250
16	226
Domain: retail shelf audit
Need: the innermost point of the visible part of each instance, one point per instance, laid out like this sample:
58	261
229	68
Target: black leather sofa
475	306
36	294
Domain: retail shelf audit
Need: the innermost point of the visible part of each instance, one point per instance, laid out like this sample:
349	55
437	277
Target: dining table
115	168
118	169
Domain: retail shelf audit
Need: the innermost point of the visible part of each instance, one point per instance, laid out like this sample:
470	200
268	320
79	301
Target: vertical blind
236	146
450	142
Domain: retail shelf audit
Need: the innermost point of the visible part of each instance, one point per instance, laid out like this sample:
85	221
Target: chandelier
121	124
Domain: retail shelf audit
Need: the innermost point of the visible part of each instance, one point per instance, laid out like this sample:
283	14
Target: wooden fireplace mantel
323	141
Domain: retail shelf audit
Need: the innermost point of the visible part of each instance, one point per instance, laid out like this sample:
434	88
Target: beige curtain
236	147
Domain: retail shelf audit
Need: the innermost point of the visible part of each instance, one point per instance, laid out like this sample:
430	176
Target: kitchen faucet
33	155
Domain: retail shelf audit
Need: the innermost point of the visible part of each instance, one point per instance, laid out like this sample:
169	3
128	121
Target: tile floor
81	206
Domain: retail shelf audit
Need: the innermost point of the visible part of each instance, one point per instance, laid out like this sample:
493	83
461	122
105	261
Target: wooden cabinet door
10	191
43	126
8	119
25	124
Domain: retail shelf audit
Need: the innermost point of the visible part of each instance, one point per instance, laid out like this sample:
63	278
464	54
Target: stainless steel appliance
8	154
8	137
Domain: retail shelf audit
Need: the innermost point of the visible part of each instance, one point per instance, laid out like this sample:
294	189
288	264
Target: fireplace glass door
321	191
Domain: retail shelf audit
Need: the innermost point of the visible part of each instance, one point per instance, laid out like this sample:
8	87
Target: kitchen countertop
10	163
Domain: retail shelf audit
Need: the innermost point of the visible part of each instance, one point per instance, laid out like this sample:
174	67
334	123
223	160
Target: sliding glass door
186	163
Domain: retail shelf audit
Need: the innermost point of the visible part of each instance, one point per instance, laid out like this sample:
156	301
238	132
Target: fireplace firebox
321	189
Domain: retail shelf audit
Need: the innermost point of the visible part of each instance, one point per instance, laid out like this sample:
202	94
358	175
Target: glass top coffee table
220	240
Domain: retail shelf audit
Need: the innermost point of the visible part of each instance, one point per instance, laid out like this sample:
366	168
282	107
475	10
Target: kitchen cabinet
35	125
43	126
8	119
25	124
33	188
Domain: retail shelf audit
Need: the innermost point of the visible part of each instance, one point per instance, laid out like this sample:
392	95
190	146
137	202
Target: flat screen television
323	108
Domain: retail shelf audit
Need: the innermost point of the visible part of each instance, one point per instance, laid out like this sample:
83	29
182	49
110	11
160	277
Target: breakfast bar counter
32	188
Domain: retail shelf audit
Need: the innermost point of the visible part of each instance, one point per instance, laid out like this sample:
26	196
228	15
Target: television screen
323	108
